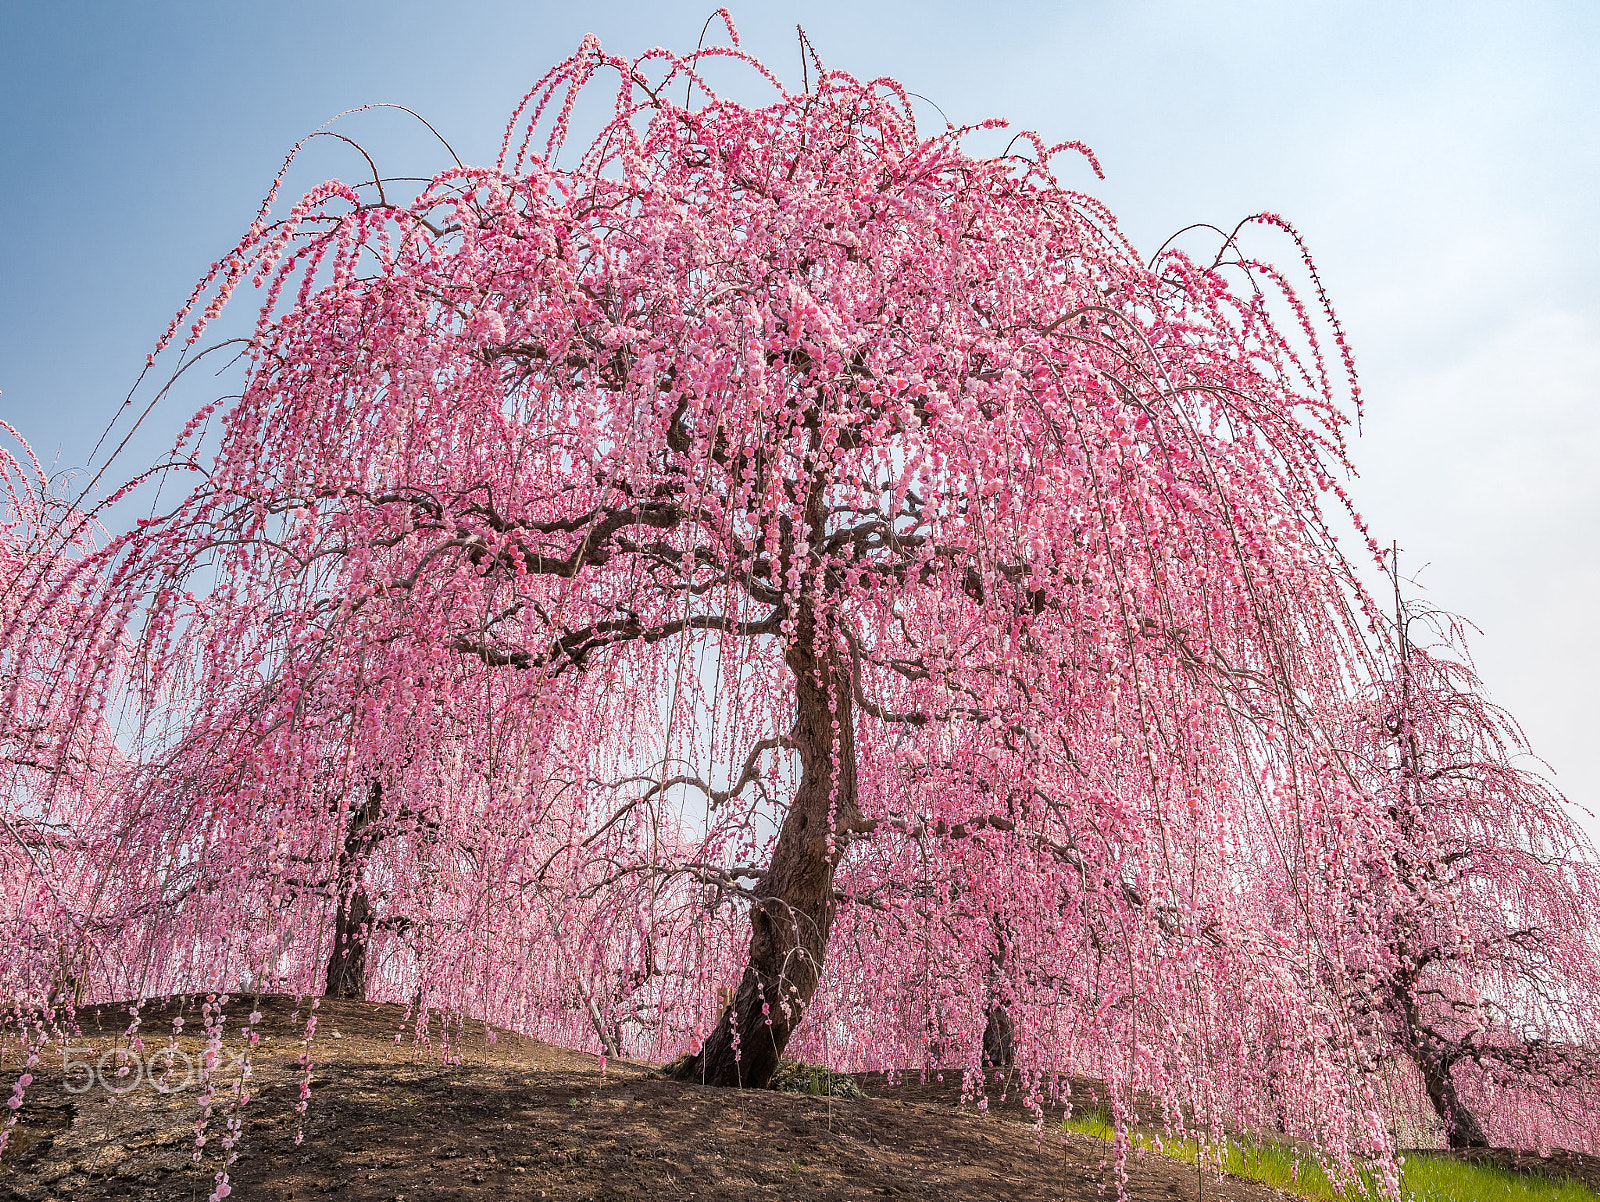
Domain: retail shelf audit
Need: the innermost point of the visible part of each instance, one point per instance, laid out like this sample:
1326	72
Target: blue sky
1441	159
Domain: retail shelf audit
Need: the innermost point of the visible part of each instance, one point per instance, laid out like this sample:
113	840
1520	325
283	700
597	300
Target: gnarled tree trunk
794	907
352	925
1461	1126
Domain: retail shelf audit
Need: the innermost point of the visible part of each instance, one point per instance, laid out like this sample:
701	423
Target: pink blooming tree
795	544
60	767
1483	894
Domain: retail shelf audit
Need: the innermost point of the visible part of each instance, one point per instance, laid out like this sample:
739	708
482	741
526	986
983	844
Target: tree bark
999	1032
1461	1126
346	975
794	907
999	1038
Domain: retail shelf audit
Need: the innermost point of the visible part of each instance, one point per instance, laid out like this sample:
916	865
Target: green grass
1436	1179
1422	1179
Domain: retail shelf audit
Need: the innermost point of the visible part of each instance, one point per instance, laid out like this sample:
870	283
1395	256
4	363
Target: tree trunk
999	1032
794	907
999	1038
1461	1126
352	924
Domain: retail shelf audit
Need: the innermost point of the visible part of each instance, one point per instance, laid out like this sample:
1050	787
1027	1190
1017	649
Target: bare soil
523	1119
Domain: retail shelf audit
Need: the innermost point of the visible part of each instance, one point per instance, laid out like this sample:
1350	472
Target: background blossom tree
60	765
1483	894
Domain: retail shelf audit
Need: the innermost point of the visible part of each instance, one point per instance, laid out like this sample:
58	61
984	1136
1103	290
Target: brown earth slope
523	1119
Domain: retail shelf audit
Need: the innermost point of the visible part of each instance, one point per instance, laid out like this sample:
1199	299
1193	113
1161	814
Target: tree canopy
783	551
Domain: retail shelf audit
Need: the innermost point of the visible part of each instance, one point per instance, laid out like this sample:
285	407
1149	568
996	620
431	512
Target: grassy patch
1422	1179
1437	1179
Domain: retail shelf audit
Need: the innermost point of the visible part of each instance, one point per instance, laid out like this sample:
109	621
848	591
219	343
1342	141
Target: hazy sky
1442	160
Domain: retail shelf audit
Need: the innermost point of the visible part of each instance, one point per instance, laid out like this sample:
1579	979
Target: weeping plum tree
1482	892
60	766
975	509
879	488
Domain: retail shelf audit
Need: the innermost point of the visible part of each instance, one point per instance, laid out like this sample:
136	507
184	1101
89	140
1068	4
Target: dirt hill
523	1119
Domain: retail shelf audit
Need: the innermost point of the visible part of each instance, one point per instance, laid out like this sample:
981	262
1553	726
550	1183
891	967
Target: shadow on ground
523	1119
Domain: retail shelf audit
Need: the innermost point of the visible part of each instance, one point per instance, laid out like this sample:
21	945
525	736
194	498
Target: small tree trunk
999	1032
610	1038
999	1038
794	907
352	925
